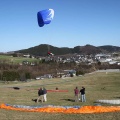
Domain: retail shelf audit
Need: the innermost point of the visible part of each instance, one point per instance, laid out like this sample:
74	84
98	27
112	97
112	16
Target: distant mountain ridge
41	50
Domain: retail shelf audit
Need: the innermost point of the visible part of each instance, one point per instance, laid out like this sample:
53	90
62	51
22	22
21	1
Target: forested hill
42	50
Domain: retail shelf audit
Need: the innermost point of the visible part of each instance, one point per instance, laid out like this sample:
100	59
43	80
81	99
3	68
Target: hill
41	50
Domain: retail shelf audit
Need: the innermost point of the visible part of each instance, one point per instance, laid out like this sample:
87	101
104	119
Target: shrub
80	73
10	75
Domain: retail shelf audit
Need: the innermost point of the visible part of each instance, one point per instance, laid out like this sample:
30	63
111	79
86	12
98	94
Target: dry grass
98	86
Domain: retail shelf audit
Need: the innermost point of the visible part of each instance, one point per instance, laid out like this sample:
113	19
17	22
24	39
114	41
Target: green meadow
98	86
15	60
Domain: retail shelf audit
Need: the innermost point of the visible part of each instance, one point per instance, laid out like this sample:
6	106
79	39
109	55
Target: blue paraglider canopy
45	17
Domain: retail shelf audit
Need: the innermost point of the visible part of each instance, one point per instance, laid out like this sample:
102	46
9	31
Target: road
109	70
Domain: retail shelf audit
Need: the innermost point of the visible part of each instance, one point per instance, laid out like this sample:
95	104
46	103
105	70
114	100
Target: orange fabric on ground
84	109
57	90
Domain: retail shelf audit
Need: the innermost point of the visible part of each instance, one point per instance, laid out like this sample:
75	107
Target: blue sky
76	23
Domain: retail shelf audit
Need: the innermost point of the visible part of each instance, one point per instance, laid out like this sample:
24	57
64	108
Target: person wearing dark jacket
40	95
82	91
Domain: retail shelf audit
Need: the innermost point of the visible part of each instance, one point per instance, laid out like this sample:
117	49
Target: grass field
98	86
16	60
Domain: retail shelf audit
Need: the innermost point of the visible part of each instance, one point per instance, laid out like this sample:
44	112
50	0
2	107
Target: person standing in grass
40	95
44	94
82	91
76	92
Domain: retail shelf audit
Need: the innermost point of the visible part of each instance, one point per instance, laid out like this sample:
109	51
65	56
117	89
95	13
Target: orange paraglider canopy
60	109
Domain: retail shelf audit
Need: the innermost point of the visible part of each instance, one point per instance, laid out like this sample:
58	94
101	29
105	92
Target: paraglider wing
50	54
45	17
